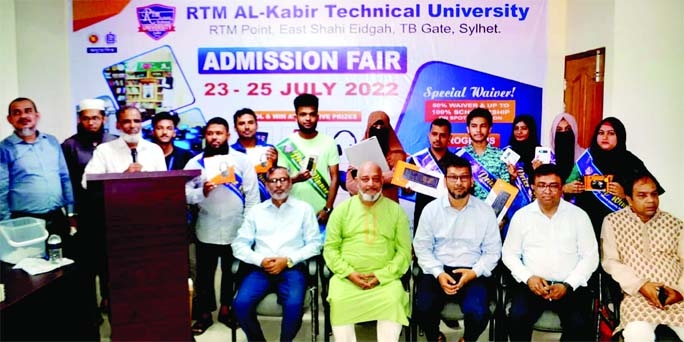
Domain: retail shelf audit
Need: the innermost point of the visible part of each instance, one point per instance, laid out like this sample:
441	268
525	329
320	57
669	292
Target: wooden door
583	95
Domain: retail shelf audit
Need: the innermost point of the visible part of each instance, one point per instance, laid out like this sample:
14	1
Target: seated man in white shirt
275	238
551	251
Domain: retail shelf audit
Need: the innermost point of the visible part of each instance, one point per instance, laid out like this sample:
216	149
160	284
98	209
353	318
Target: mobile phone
450	271
662	295
311	163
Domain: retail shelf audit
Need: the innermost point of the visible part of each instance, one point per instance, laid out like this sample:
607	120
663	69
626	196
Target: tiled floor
271	327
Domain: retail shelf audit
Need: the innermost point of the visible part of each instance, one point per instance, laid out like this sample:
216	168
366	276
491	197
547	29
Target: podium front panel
147	251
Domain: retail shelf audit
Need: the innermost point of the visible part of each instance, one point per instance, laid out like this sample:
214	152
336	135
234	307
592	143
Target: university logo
156	20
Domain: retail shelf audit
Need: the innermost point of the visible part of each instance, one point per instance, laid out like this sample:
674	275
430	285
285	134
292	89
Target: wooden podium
144	215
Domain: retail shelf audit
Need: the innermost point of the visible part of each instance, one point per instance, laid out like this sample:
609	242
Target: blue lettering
206	12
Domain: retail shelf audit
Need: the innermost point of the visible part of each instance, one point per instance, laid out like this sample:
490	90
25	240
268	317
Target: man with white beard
275	239
129	153
368	249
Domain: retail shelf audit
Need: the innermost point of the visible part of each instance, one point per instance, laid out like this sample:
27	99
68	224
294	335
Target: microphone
134	154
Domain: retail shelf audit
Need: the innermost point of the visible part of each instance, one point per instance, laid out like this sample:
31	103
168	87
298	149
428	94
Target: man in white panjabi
643	249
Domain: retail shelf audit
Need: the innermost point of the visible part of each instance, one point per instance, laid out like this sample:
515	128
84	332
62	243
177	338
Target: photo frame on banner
152	81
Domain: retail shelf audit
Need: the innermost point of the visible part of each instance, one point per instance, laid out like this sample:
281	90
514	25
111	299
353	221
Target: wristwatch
568	287
290	264
327	210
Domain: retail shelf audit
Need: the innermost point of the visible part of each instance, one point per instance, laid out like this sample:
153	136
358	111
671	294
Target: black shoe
453	324
201	325
227	317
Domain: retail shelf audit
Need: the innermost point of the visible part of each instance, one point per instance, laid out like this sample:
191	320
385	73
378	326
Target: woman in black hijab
524	140
608	155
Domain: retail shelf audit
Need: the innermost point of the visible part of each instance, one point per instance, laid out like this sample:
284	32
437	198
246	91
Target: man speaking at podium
129	153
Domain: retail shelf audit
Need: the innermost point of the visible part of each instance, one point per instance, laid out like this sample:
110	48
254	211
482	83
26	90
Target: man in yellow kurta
368	249
643	249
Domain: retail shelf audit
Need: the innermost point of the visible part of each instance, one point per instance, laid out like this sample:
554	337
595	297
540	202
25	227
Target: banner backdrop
415	60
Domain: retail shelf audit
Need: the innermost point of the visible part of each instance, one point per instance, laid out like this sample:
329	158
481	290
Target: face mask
564	139
565	152
383	137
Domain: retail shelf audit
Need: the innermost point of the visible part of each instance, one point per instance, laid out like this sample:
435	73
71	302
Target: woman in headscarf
524	140
607	155
379	126
564	135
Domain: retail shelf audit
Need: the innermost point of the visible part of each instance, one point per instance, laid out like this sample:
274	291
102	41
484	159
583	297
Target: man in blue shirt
275	239
34	178
457	245
259	152
439	135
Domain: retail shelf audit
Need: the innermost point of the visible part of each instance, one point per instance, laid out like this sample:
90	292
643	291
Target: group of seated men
550	249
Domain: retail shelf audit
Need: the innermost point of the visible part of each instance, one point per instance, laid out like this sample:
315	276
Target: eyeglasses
553	187
276	180
454	178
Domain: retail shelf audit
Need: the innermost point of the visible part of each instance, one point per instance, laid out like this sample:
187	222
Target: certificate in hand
543	154
509	156
258	156
501	197
366	150
424	159
219	170
418	179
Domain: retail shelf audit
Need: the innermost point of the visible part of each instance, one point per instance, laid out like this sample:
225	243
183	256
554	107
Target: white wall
648	89
552	99
9	87
42	53
644	70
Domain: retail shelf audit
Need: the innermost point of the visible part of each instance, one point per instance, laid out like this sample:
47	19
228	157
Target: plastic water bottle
54	246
